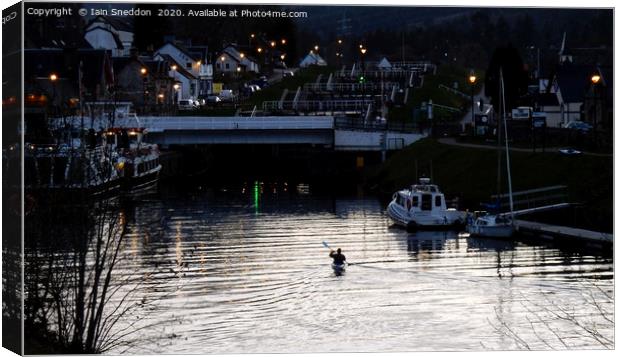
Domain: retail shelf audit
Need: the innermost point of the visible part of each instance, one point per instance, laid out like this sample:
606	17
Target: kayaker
338	257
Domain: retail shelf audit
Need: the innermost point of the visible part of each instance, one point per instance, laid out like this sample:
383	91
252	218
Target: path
452	141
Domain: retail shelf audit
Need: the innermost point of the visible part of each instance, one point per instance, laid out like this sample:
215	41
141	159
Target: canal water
244	270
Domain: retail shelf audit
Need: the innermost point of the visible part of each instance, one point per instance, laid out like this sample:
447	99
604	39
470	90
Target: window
427	201
217	65
227	65
188	65
414	201
438	201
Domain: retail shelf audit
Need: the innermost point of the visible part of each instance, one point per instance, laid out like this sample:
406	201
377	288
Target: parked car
200	102
227	95
288	74
261	83
570	152
578	125
186	104
213	99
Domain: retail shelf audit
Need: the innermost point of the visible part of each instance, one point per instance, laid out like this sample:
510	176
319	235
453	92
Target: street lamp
363	52
595	78
283	41
53	79
472	81
273	43
143	71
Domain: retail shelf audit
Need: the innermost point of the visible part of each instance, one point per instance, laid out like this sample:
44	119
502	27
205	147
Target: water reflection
243	270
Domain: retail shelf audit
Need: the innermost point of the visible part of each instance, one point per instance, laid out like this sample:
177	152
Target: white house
230	59
312	59
200	83
548	103
110	33
186	81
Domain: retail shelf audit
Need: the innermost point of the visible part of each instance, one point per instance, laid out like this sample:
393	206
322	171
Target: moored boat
423	206
491	225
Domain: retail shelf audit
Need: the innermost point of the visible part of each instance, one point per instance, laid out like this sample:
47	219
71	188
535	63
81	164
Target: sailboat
498	225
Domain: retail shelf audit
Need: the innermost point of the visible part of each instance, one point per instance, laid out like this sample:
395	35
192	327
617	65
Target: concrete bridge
301	130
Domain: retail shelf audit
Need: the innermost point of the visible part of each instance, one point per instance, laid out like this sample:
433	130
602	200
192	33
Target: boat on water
423	206
498	225
62	170
491	225
137	161
339	268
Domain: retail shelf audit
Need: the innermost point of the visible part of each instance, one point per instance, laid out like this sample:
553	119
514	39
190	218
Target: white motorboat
423	206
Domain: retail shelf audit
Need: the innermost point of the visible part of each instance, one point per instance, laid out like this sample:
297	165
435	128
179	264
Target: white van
226	95
186	104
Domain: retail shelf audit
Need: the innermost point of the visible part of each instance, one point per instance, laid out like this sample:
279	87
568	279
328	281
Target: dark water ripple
226	275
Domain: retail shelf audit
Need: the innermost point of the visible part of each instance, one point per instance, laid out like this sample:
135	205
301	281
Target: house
193	62
144	81
230	60
384	64
183	78
312	59
548	103
570	84
110	33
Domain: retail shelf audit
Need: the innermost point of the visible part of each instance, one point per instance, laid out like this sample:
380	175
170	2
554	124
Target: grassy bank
446	75
471	174
274	92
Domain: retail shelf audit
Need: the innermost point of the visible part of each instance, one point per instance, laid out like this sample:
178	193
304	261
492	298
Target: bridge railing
239	123
349	87
318	105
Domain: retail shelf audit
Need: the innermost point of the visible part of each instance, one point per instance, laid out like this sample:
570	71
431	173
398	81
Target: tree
515	77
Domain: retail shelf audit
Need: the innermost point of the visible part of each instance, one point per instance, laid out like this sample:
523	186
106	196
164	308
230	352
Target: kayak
339	267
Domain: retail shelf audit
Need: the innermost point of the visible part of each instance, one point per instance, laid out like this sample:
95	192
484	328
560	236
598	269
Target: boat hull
502	231
339	268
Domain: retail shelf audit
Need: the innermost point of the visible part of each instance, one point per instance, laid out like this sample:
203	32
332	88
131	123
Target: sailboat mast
501	76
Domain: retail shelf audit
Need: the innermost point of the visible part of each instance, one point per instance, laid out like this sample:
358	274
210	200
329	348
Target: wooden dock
553	231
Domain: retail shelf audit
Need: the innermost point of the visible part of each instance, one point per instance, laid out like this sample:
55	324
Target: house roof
574	81
117	40
313	58
234	53
196	56
180	68
119	23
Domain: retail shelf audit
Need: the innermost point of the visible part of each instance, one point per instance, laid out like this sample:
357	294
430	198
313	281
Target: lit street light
143	71
472	81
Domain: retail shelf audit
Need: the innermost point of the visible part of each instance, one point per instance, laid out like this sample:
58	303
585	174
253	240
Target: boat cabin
421	197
